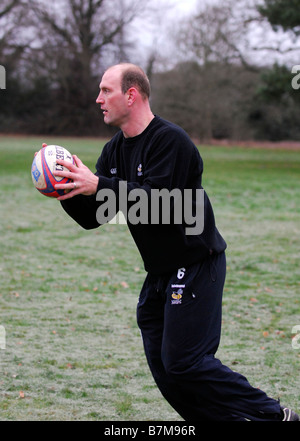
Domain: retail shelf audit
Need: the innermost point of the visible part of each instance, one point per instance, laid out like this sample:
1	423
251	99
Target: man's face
111	98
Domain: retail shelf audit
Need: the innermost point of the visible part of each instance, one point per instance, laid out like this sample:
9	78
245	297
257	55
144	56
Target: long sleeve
83	208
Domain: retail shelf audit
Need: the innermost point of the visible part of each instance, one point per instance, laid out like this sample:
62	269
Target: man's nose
99	99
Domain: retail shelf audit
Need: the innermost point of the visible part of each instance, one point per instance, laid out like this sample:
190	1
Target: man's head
134	76
124	88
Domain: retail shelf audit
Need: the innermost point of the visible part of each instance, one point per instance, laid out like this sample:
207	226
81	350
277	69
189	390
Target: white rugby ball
44	166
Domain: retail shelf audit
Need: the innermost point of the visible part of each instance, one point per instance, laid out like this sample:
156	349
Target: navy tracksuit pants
179	316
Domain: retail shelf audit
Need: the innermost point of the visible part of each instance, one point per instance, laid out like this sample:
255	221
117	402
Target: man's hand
84	181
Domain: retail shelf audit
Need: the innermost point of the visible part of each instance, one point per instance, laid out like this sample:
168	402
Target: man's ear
131	95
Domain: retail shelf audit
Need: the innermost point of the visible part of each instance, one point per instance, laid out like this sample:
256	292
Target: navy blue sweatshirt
161	157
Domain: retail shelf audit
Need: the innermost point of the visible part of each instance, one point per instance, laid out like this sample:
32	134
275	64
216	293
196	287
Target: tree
282	13
212	74
7	6
277	103
229	98
209	102
78	39
65	46
86	28
10	47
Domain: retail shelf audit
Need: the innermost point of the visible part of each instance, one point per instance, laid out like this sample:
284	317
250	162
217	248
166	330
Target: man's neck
137	125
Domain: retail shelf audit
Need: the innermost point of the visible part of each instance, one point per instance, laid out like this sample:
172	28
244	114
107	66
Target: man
179	308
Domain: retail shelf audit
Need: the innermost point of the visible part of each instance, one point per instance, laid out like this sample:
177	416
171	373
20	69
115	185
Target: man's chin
109	122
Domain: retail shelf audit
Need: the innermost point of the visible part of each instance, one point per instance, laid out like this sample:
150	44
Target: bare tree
73	41
7	6
216	33
213	70
11	47
63	48
87	30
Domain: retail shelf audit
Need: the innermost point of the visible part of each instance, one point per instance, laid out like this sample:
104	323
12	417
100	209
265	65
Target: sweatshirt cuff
110	183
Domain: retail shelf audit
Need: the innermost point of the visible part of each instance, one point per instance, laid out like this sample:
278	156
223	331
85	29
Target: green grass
68	296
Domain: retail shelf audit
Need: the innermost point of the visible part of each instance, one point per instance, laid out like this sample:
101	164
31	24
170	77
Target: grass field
72	349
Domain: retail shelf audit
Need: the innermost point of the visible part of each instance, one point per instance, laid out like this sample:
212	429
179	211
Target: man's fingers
64	174
66	164
78	161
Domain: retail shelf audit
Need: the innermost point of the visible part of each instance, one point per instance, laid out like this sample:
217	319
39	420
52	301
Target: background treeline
221	71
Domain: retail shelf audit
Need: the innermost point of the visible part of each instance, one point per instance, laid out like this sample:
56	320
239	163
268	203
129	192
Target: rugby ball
44	166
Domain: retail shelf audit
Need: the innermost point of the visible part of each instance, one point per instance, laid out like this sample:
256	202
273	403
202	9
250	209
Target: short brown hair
134	76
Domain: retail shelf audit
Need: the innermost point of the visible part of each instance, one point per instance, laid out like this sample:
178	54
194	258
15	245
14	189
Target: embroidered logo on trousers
177	297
